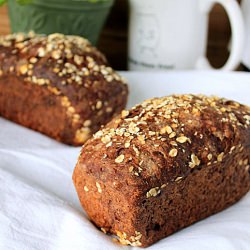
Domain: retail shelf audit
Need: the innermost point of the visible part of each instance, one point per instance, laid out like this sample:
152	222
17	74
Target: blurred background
113	41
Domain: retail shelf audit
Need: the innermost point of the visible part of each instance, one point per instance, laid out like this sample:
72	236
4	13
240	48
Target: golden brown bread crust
61	75
164	165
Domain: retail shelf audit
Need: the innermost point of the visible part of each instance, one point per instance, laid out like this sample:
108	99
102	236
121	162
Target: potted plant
72	17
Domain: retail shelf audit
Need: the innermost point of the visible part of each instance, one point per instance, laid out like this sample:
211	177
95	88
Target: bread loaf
58	85
164	165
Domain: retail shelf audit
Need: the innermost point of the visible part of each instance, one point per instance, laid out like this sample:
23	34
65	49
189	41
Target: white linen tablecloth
39	208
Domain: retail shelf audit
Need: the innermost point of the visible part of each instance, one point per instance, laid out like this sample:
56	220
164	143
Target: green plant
29	1
95	1
18	1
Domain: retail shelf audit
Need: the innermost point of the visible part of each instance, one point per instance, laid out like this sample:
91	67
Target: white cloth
39	208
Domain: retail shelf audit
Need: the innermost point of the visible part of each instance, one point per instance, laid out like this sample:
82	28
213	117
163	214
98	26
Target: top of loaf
72	58
70	68
168	137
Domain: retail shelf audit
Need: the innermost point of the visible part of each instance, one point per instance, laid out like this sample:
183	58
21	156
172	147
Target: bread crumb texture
133	240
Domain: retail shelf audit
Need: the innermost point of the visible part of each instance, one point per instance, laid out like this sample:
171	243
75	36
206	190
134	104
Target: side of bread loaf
58	85
164	165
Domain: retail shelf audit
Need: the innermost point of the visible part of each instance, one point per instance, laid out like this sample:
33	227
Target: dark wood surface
113	39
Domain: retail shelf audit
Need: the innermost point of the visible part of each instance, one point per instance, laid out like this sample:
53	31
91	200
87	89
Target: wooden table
113	40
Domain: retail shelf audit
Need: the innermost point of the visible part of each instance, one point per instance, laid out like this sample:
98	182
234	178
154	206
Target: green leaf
2	2
23	1
93	1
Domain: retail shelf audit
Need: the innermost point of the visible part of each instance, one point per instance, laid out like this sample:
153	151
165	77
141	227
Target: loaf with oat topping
58	85
164	165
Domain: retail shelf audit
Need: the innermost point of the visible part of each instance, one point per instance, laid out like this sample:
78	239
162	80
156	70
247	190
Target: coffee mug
172	34
246	16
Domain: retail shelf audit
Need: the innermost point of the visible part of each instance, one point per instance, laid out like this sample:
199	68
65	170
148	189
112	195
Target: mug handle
237	26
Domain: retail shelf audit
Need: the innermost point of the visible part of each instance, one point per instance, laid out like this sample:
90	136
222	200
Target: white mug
172	34
246	16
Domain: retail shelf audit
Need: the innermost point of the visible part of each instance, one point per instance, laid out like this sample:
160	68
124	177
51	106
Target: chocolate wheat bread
164	165
58	85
